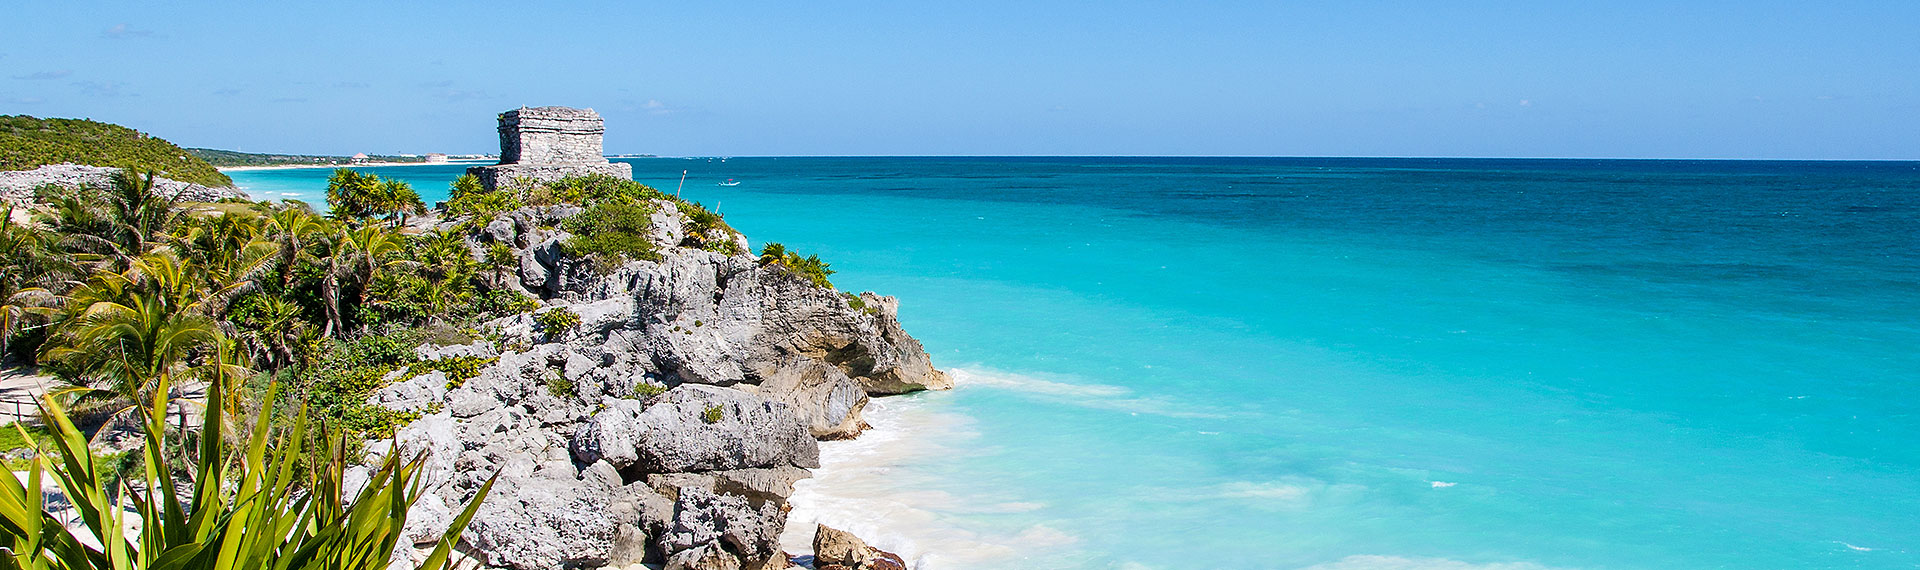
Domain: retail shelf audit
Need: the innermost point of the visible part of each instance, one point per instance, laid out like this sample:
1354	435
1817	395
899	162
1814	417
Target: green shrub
348	371
611	234
560	387
459	369
592	189
809	267
556	320
503	302
859	304
464	186
701	223
712	415
445	335
483	206
644	390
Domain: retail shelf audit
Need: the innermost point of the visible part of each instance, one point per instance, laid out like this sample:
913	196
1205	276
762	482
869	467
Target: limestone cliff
669	425
17	186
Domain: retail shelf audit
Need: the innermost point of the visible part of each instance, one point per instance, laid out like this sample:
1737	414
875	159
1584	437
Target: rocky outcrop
835	549
697	428
668	427
823	396
17	186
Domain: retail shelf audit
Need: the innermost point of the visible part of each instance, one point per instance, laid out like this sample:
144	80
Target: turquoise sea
1364	363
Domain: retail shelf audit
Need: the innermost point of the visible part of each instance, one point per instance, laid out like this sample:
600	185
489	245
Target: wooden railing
20	406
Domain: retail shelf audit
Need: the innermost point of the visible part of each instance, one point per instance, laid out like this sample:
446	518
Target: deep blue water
1365	363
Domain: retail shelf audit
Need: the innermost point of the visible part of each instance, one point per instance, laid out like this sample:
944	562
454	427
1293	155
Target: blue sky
1750	79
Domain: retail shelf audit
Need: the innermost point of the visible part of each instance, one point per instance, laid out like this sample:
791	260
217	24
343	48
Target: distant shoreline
357	165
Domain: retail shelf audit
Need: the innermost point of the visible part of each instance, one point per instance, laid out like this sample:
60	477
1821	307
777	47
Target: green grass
12	440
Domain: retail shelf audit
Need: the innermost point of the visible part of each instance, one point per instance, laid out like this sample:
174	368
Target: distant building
545	144
436	157
360	158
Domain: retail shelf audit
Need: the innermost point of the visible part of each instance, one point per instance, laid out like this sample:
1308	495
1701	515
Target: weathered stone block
544	144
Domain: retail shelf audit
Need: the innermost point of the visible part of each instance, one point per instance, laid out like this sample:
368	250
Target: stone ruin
544	144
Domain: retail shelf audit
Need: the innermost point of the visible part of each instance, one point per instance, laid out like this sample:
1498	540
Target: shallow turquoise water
1368	363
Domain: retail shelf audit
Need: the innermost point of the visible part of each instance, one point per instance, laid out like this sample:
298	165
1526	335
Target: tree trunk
330	293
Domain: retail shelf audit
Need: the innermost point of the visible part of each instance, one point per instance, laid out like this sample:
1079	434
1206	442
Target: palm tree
337	259
120	222
228	253
773	253
373	250
500	258
396	199
352	195
269	334
290	225
29	267
130	333
355	256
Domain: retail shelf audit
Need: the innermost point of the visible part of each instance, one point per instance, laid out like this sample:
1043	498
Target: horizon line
1387	157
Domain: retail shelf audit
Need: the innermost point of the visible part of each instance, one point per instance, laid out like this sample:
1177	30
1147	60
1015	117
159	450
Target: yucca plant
256	507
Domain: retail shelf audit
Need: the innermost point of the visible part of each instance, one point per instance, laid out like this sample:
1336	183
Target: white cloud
123	31
55	74
104	88
657	107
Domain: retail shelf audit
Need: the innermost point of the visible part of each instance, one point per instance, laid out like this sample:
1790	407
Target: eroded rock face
669	426
697	428
823	396
547	520
709	528
724	320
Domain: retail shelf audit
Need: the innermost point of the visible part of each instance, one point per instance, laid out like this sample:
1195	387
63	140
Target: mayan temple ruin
544	144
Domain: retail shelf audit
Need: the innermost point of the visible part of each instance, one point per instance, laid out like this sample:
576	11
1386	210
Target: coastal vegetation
289	320
226	158
272	502
29	142
119	290
810	267
556	320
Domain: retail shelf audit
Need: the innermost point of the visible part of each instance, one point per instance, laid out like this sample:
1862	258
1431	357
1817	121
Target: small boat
730	182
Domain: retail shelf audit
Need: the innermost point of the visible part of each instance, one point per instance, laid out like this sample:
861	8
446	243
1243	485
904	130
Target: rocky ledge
16	186
666	428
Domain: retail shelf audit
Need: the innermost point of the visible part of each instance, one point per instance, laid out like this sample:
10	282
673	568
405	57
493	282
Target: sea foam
862	488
